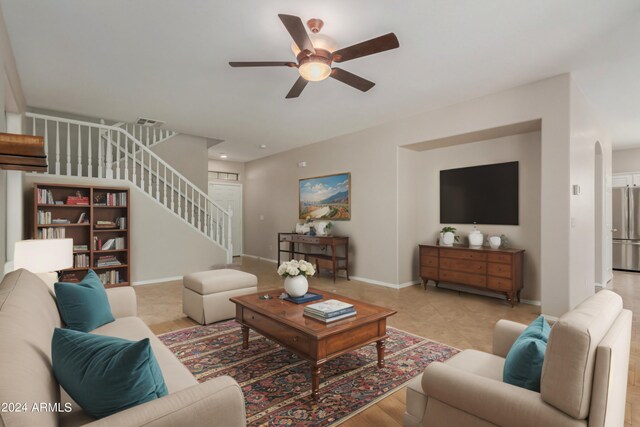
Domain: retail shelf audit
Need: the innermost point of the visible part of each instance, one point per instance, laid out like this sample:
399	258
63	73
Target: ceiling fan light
314	71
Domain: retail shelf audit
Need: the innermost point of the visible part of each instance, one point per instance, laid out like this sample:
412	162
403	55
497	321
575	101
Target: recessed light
263	146
223	156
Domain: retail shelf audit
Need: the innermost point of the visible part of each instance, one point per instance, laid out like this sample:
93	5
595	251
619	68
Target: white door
230	196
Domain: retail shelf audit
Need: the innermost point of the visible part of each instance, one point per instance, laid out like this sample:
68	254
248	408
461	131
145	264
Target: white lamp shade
43	256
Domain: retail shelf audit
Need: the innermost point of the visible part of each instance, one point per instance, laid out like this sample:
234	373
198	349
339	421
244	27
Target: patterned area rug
276	383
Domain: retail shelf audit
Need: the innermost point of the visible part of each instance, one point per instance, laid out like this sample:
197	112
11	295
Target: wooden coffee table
313	340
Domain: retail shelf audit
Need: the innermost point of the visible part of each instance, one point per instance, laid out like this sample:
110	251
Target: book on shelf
111	244
121	223
81	260
45	197
71	200
111	277
110	199
60	221
80	247
105	224
107	261
82	219
51	233
44	217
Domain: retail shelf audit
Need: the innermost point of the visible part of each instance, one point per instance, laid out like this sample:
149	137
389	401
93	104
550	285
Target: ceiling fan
316	52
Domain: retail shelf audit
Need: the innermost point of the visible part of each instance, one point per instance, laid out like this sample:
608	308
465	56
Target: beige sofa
584	376
28	316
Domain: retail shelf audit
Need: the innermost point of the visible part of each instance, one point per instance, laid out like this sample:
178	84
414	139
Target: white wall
523	148
626	160
372	158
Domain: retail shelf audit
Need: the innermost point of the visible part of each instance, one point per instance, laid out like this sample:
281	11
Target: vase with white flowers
295	273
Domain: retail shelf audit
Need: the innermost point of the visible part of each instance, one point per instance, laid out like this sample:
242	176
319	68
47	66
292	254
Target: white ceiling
167	59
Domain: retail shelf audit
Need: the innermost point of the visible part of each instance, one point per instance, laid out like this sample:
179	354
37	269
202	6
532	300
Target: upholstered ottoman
205	297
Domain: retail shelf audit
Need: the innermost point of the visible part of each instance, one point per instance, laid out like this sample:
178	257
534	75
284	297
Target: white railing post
100	153
165	187
172	191
68	149
57	148
142	170
229	243
150	176
46	142
218	226
180	199
158	181
118	156
134	165
79	170
109	155
89	155
193	220
126	158
147	137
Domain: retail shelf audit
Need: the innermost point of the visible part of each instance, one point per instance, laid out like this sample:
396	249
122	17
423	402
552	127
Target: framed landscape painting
326	197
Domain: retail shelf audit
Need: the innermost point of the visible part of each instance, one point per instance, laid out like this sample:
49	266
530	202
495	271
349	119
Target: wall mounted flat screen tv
485	194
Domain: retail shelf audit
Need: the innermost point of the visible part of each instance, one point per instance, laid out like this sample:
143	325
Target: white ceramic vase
495	242
475	239
296	286
448	238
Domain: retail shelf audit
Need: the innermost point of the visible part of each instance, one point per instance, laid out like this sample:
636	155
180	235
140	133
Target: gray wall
524	148
626	160
372	156
225	166
188	155
162	245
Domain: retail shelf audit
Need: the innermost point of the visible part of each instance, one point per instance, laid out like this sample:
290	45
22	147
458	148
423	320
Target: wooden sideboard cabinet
496	270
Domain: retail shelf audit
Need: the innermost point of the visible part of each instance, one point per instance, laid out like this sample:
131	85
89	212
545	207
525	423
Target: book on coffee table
330	310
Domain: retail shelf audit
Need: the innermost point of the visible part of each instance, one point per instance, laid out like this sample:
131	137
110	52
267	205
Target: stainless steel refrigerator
626	228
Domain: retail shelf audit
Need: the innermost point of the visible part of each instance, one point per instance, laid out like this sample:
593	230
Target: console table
297	245
496	270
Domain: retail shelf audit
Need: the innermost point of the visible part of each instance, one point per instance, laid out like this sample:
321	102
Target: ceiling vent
149	122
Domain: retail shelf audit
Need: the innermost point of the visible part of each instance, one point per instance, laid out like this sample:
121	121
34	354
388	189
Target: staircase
122	152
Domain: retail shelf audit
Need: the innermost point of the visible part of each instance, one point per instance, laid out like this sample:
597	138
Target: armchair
584	376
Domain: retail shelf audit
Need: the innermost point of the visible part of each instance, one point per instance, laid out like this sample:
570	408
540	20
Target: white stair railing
148	136
94	150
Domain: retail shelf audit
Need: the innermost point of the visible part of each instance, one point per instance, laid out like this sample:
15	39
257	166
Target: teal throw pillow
83	306
523	365
105	375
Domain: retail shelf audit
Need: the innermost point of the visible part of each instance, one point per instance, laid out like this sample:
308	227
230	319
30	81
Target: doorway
229	196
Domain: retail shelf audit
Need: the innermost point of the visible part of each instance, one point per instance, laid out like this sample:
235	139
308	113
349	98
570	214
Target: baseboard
154	281
411	283
260	258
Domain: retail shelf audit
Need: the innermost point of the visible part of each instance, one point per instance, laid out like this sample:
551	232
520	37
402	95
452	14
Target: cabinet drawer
429	273
499	283
463	278
463	254
424	250
286	238
478	267
500	270
503	258
428	261
282	334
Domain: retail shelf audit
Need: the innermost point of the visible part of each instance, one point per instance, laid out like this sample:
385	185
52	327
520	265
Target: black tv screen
485	194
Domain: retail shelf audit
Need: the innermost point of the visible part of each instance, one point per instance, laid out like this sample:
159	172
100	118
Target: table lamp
44	257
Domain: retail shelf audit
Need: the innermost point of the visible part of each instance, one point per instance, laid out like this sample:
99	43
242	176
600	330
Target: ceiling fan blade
377	45
297	88
295	27
263	64
351	79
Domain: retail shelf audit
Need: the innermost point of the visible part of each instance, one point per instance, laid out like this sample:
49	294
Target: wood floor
455	318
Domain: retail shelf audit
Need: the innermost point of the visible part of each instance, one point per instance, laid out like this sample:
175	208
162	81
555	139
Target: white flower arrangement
296	268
